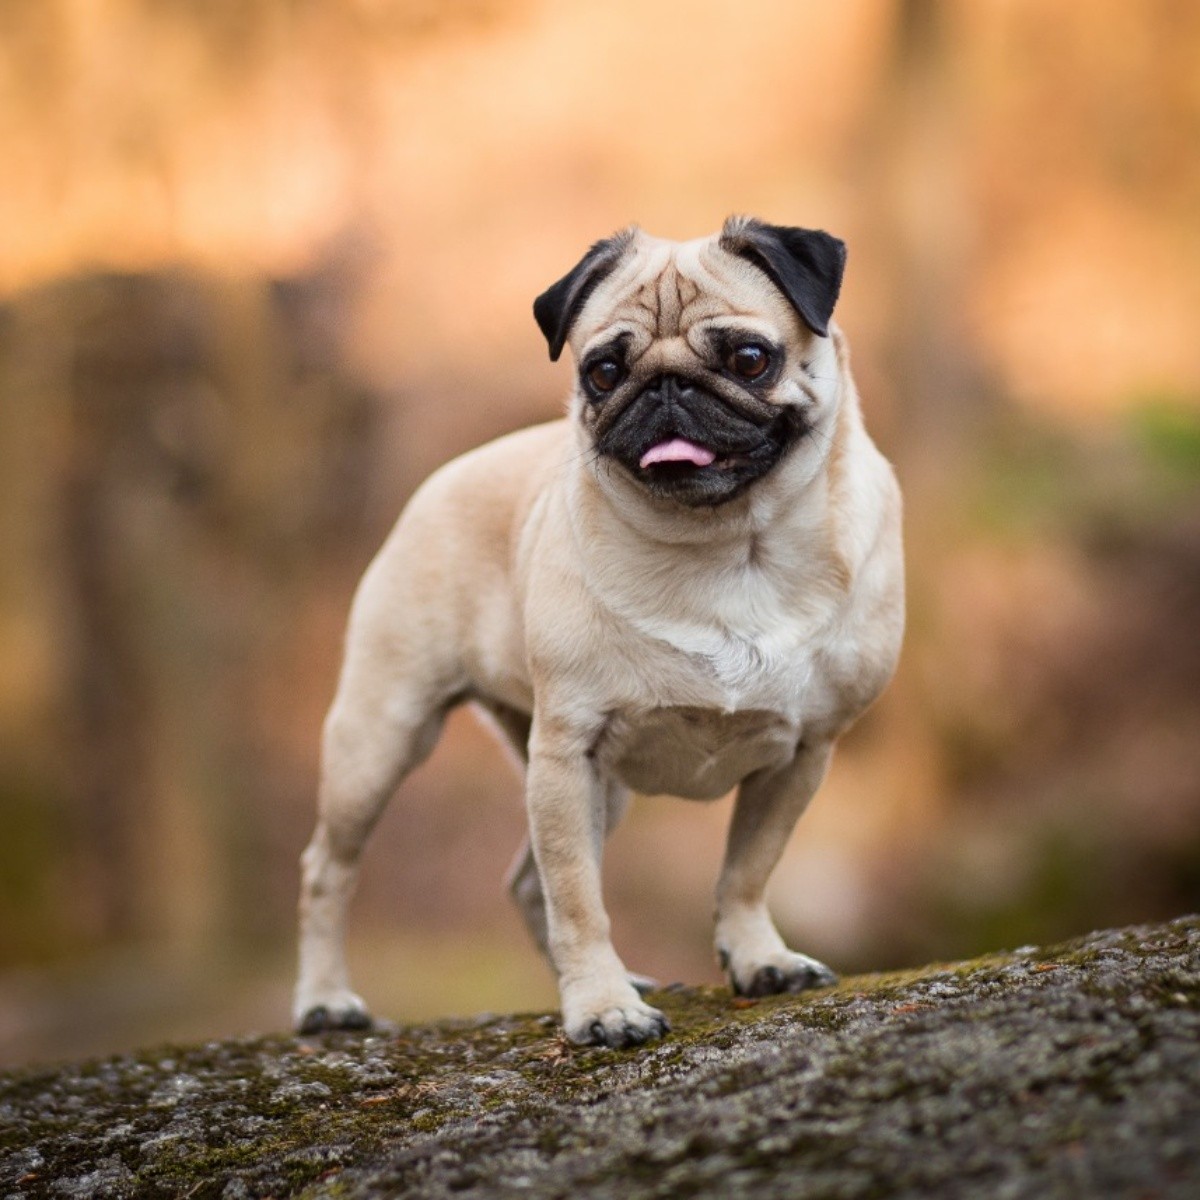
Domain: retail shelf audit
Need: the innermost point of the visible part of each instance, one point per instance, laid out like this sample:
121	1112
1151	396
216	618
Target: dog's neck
779	548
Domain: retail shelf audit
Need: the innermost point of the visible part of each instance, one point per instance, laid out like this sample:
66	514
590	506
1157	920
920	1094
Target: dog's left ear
805	264
557	307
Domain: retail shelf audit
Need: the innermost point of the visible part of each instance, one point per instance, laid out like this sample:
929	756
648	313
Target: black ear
805	264
557	307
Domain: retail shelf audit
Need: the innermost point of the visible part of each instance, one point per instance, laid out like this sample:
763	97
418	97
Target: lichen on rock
1067	1071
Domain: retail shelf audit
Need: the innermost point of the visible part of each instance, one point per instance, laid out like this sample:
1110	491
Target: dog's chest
714	675
713	711
692	752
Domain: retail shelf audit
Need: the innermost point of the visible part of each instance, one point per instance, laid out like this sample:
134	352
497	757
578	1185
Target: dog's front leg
566	803
750	949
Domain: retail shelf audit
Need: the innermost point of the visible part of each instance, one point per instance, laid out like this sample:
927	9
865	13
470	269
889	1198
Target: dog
692	583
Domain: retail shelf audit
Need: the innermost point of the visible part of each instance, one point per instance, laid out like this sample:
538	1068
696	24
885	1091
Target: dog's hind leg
522	880
377	731
525	887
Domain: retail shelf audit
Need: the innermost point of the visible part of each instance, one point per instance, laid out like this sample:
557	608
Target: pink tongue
677	450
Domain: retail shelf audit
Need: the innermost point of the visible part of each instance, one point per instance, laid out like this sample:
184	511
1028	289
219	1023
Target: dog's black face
693	367
699	435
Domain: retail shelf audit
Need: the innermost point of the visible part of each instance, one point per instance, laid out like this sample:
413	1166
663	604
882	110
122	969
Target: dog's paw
786	972
615	1017
620	1028
344	1010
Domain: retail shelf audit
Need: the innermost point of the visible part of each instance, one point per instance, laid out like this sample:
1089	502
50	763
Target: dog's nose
670	389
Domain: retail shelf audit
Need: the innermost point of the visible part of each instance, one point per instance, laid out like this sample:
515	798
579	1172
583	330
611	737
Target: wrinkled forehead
663	289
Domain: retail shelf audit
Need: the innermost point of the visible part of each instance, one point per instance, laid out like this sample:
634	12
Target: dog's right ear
805	264
557	307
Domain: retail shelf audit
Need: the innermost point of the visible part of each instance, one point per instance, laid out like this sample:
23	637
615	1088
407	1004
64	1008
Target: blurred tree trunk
913	170
919	204
147	853
111	709
203	457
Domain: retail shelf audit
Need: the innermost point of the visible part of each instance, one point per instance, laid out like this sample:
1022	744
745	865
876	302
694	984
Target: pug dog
691	584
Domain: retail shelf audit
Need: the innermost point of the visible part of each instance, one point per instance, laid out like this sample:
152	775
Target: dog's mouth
679	454
692	473
685	444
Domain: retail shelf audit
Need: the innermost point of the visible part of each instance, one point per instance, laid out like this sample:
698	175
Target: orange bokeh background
264	265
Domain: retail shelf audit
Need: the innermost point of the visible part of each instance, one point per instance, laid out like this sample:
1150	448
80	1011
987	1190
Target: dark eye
748	361
605	374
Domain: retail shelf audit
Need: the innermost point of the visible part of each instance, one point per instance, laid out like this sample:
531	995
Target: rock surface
1069	1071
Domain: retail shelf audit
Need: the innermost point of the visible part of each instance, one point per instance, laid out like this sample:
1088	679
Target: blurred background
266	263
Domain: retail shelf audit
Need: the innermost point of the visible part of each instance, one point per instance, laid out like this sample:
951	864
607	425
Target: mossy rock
1071	1071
